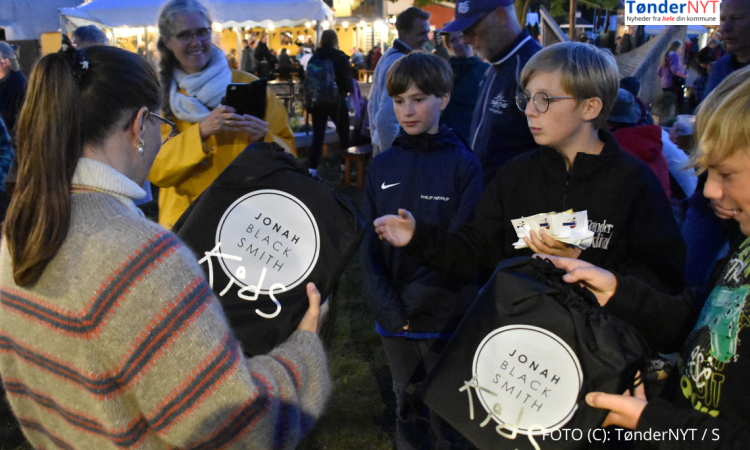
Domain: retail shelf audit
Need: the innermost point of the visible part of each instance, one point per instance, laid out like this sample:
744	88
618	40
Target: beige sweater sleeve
201	389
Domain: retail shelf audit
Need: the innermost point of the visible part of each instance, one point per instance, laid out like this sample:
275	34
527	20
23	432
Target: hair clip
76	59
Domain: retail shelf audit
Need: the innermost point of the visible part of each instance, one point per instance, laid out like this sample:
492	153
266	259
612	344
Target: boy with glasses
567	92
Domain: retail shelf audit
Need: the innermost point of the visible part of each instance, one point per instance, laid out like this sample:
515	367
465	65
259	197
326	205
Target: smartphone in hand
247	98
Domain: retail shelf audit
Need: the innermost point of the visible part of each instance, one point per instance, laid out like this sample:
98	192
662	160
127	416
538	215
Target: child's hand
549	246
624	410
398	230
602	283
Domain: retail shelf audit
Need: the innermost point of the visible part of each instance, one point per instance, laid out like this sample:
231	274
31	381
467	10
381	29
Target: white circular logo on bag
528	377
272	230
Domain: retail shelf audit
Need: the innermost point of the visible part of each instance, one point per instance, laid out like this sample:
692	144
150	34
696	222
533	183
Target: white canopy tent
28	19
229	13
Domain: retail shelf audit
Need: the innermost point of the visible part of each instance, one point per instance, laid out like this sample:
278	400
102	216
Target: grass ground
361	413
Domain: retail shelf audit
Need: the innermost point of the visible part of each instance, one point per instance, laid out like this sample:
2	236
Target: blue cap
468	12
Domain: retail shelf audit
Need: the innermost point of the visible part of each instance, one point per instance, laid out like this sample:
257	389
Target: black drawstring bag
261	231
524	357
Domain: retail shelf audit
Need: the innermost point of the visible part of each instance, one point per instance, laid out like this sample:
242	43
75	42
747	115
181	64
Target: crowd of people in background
478	111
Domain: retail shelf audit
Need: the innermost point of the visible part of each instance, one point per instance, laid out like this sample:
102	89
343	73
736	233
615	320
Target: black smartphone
248	98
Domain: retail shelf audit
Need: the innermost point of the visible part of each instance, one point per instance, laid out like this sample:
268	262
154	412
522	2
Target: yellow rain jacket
185	166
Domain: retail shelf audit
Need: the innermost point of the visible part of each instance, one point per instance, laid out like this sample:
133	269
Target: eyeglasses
186	37
541	101
166	122
471	30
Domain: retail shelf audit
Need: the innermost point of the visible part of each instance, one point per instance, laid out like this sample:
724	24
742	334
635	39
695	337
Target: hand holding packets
568	227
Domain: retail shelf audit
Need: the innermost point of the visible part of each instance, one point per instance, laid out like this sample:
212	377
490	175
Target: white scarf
97	176
205	89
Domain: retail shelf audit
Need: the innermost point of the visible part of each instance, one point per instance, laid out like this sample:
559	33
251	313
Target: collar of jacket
734	63
14	79
511	50
584	164
401	47
461	66
427	142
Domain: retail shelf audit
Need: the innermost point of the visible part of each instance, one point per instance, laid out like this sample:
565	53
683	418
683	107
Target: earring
139	146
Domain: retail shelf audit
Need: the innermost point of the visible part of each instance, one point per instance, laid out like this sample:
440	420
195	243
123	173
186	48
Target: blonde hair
722	125
586	72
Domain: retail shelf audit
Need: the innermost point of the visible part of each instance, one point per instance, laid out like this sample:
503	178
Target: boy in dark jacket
568	90
429	169
706	392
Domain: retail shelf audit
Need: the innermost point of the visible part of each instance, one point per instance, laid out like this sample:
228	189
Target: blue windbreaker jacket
439	180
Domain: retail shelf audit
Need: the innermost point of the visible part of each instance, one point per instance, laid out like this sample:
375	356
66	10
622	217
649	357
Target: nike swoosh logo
386	186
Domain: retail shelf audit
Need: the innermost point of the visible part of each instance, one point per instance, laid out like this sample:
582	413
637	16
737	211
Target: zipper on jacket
484	108
489	88
568	175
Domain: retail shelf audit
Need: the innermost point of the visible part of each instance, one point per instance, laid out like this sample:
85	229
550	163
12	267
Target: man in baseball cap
499	131
468	12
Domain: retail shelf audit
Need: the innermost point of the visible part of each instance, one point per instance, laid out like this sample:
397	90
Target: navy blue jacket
12	95
720	70
467	77
440	181
499	131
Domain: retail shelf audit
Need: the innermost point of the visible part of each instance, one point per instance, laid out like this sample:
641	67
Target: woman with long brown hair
671	72
333	108
110	337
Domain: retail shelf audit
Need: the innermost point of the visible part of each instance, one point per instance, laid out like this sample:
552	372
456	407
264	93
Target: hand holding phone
255	129
224	118
247	98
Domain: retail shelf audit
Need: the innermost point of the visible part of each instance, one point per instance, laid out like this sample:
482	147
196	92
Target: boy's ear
444	100
592	107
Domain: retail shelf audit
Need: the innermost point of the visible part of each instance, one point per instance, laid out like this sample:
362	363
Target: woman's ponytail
74	98
50	142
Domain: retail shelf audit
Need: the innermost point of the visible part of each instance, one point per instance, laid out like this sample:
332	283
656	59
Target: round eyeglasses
541	101
186	37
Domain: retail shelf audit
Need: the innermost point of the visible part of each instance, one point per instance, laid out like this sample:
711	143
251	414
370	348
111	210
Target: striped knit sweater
122	345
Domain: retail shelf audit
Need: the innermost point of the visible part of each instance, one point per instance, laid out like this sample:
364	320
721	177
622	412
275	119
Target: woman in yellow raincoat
194	75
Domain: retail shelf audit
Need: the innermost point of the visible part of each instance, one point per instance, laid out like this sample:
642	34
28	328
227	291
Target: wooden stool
365	76
360	154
